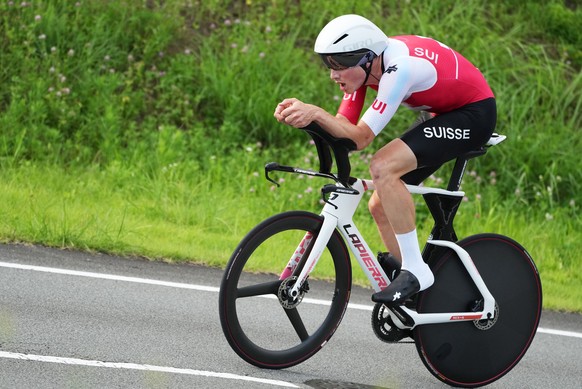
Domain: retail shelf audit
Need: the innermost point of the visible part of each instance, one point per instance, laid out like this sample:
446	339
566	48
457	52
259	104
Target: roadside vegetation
142	127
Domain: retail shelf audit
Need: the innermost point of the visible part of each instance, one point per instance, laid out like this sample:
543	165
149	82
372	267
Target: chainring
384	327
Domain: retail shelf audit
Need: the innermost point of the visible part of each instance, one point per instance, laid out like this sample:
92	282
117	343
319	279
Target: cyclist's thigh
448	135
417	176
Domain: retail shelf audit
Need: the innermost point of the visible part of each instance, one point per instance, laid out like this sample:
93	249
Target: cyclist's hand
280	107
295	113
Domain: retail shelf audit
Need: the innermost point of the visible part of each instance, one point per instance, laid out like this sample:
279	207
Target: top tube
417	189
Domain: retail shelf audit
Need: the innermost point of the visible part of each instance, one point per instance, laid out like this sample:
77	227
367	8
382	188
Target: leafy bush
104	81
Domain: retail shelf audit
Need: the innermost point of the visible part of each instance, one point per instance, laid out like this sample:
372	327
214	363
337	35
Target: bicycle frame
458	295
338	213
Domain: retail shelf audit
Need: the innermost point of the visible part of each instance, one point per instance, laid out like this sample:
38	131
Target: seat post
457	174
459	168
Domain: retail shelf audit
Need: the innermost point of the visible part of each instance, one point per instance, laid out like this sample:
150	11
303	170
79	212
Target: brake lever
281	168
268	168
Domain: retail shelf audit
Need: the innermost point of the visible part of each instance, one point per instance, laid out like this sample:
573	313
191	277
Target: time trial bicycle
472	326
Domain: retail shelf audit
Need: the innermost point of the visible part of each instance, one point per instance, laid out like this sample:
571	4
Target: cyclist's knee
392	162
375	206
383	169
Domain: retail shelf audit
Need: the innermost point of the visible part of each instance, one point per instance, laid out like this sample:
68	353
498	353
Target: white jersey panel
403	76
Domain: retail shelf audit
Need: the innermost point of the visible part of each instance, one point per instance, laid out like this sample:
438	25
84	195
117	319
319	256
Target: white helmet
350	40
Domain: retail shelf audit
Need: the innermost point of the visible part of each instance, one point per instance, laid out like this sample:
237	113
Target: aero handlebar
325	144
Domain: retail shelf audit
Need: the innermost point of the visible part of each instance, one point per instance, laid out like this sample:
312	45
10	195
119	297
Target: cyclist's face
350	79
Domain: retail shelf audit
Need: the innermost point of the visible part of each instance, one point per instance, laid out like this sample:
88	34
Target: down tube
366	259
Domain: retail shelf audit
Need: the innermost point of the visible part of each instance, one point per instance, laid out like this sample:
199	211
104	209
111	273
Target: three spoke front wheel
262	322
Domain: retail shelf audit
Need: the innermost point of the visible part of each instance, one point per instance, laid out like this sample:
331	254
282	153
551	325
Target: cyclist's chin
347	88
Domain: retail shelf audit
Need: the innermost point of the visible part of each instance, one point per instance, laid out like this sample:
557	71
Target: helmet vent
340	38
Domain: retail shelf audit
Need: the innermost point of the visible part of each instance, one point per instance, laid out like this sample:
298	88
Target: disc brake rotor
284	295
485	324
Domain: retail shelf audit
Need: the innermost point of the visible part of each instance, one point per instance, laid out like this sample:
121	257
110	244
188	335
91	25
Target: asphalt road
78	320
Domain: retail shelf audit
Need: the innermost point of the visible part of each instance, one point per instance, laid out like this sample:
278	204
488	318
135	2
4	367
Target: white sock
412	259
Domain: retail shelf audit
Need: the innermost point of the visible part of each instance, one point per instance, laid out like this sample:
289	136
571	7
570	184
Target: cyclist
419	73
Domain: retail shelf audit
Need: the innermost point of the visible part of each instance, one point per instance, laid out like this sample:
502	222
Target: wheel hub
485	324
284	293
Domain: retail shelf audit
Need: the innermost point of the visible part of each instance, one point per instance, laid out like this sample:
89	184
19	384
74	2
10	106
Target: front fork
323	236
297	256
341	205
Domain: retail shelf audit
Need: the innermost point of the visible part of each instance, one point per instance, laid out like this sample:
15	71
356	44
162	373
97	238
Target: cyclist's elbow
364	136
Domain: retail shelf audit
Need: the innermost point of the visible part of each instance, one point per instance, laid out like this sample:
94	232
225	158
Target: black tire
261	331
470	354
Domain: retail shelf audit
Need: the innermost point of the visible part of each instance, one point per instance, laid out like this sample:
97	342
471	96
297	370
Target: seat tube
443	209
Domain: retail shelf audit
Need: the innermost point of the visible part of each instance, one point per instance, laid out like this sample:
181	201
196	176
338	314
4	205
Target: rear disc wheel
476	353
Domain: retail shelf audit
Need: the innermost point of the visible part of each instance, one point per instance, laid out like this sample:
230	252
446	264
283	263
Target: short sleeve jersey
421	74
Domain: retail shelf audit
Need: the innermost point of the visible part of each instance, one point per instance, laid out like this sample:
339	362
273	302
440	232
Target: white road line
180	285
108	277
550	331
135	366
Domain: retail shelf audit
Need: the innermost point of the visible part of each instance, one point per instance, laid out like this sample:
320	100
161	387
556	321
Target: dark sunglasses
343	61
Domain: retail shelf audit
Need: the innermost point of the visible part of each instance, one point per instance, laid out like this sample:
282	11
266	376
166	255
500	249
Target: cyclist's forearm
340	127
298	114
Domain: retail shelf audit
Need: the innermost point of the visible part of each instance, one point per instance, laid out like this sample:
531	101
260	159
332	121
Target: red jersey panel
458	82
420	73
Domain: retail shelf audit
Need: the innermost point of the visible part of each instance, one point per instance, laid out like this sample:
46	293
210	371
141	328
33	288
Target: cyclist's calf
384	226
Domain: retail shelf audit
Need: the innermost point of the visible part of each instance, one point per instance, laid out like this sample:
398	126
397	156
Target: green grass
141	128
168	216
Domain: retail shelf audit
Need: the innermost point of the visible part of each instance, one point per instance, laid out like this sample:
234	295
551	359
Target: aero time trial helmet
348	41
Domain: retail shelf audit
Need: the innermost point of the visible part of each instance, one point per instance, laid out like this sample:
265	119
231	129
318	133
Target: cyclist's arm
341	127
409	75
352	104
298	114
